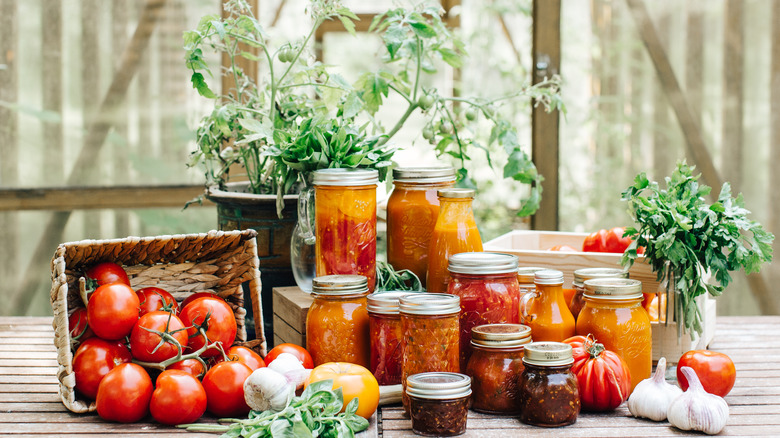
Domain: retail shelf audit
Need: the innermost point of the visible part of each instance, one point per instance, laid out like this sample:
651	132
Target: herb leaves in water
314	414
684	237
387	278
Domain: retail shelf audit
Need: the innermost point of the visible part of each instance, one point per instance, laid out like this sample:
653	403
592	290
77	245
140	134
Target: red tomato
113	311
715	370
220	327
94	358
595	242
354	380
293	349
124	394
146	345
244	355
602	376
178	398
197	295
107	273
608	241
79	328
565	248
192	366
154	298
224	385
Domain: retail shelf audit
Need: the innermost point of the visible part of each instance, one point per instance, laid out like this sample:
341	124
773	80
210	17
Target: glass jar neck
414	185
476	277
459	207
348	297
550	291
608	303
515	349
547	369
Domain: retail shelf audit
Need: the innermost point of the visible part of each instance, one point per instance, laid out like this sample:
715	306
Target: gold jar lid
584	274
345	177
526	275
335	285
429	304
548	354
622	289
455	193
482	263
425	175
548	276
386	302
500	335
438	385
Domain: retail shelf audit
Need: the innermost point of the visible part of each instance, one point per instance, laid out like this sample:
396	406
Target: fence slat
120	155
733	97
51	86
663	158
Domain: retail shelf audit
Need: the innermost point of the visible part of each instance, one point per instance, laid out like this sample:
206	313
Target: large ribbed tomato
603	376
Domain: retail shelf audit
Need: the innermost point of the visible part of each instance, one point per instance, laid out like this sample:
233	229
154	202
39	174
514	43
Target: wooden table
30	405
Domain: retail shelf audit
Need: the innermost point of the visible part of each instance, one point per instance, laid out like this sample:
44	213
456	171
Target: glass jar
412	211
337	322
581	275
495	366
614	315
455	232
345	222
439	403
545	309
525	278
549	393
486	283
431	335
384	322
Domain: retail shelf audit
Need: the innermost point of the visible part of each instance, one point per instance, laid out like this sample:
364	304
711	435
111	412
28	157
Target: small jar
384	321
439	403
495	366
337	322
584	274
431	335
549	395
545	309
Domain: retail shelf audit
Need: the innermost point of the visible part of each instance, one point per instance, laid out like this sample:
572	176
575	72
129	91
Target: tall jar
495	366
412	211
337	322
549	392
614	315
525	278
584	274
486	283
431	335
345	222
455	232
545	309
439	403
386	333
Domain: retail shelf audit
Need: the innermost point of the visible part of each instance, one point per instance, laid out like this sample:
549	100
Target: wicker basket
218	262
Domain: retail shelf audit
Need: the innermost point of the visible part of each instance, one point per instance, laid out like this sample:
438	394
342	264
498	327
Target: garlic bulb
696	409
652	396
266	389
285	362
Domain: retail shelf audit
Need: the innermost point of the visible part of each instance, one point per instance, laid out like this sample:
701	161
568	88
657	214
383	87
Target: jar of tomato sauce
486	283
412	211
384	322
431	335
549	392
614	315
495	366
439	403
584	274
525	278
545	309
455	232
345	222
337	322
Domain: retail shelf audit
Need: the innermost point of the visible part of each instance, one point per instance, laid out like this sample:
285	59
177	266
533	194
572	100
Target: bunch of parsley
684	237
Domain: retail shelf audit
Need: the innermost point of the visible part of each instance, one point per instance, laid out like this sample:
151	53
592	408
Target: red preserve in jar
439	403
549	392
386	332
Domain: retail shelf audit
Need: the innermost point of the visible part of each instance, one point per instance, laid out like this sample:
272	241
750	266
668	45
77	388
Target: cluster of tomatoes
123	338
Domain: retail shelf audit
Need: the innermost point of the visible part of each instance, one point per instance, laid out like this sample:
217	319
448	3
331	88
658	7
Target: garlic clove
651	397
696	409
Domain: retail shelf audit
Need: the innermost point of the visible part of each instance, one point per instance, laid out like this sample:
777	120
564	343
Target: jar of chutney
549	392
439	403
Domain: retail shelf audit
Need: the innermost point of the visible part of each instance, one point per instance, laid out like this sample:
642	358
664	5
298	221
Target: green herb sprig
684	237
387	278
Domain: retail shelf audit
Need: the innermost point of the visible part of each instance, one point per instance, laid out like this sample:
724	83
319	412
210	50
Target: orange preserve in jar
614	315
545	309
455	232
525	278
431	335
384	321
412	211
584	274
486	283
345	222
337	322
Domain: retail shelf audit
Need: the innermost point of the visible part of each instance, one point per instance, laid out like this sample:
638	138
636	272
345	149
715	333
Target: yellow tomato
354	381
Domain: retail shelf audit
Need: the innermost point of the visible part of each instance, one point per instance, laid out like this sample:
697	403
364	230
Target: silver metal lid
482	263
500	335
423	174
548	276
549	354
387	302
526	275
345	177
455	193
620	289
581	275
429	304
333	285
438	386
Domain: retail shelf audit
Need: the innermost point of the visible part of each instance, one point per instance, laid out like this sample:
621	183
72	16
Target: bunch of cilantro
685	237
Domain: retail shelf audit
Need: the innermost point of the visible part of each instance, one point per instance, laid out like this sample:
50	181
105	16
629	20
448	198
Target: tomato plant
354	381
112	311
220	325
154	298
192	366
94	358
224	385
301	353
715	370
197	295
244	355
148	346
603	376
79	328
124	394
178	398
107	273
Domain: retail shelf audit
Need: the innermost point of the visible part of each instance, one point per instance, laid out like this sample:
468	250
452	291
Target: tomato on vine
471	114
149	346
428	133
113	310
197	295
244	355
94	359
426	101
224	385
124	394
220	325
155	298
192	366
79	327
107	273
178	398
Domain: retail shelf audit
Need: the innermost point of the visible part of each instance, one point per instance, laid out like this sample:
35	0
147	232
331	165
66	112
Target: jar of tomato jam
438	403
486	283
337	322
345	222
412	211
584	274
431	335
545	310
495	366
614	315
384	322
549	392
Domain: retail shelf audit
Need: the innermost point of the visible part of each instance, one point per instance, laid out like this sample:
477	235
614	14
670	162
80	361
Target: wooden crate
290	305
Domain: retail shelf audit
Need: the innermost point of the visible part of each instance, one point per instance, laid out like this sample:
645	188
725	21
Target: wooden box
290	305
